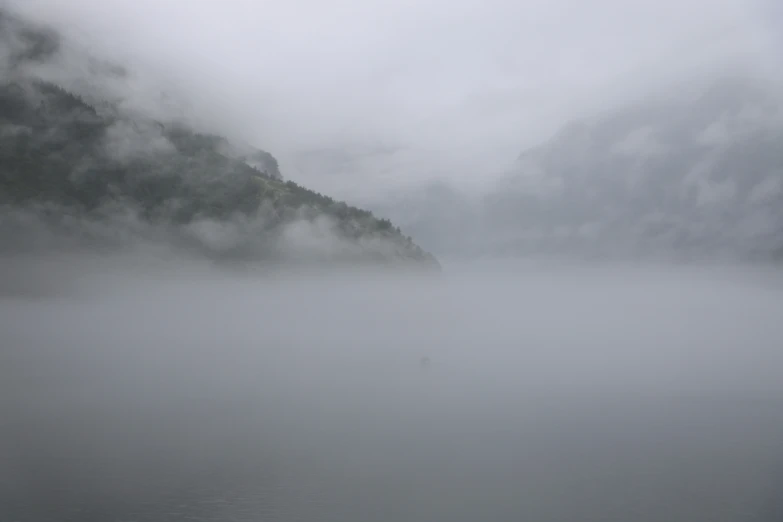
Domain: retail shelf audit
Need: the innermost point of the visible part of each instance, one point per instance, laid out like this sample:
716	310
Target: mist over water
554	393
138	384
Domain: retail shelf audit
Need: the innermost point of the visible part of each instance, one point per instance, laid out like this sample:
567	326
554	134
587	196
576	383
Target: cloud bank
461	85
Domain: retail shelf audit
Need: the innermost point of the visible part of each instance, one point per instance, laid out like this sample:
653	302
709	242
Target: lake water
557	393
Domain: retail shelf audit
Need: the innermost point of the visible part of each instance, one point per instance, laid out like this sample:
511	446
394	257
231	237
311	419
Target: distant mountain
83	172
443	219
693	175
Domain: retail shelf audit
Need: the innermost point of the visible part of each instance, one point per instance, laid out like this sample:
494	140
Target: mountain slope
88	172
443	219
698	174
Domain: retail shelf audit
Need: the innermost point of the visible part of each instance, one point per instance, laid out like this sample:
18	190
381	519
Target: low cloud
463	86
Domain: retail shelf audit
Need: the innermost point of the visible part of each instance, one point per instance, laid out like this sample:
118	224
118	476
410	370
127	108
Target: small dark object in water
425	362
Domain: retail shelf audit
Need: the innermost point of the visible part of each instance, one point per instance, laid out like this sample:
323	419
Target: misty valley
223	303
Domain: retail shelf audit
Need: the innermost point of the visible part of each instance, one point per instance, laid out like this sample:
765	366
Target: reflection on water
240	401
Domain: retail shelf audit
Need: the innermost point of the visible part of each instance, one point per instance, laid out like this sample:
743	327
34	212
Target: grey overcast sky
457	87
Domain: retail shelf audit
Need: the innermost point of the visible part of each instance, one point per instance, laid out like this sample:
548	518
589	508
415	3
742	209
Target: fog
159	373
169	390
449	90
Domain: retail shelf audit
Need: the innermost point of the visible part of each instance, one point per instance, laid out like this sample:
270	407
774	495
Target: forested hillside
78	171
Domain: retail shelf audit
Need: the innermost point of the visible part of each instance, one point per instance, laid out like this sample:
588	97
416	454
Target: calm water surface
630	395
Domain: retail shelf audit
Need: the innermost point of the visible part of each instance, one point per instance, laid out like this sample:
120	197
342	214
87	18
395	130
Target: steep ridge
78	170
